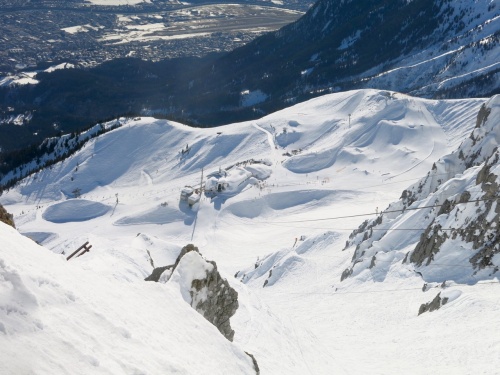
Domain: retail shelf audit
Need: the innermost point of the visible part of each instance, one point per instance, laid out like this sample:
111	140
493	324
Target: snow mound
306	199
160	252
159	215
380	126
75	210
279	265
191	267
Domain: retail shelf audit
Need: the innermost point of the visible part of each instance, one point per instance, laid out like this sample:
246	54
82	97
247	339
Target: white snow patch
60	66
250	98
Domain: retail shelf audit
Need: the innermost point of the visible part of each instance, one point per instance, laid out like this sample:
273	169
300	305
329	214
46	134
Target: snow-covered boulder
201	285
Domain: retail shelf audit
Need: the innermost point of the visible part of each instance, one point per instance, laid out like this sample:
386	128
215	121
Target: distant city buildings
74	31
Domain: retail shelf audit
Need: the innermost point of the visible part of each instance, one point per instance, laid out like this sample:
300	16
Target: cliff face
445	226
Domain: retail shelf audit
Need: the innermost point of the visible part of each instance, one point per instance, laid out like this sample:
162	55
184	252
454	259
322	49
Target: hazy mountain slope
428	47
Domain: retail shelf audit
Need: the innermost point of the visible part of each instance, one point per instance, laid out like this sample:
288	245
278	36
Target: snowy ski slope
296	183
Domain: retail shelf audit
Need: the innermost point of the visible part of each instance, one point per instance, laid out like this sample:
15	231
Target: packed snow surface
74	210
285	192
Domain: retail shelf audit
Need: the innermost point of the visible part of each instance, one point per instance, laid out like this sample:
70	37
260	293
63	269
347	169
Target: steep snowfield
60	317
295	184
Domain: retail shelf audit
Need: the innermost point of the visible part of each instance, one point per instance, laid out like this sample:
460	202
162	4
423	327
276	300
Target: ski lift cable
333	293
277	223
383	212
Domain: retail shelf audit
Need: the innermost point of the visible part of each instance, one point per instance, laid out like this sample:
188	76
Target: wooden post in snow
85	247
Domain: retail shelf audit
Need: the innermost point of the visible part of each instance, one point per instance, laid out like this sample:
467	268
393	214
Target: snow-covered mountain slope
59	318
464	61
453	213
293	186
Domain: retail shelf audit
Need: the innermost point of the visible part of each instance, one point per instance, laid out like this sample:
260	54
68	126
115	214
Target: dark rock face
482	116
211	296
221	304
157	272
6	217
430	243
435	304
255	364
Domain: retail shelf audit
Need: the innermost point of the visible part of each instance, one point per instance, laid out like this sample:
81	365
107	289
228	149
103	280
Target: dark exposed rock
367	229
157	272
6	217
435	304
446	207
221	303
464	197
255	364
347	272
429	244
482	116
267	280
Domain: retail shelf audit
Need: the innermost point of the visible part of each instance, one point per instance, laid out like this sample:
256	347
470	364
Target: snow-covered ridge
444	227
56	149
469	53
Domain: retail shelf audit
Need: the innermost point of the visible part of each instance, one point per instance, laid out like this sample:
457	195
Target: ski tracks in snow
270	140
416	165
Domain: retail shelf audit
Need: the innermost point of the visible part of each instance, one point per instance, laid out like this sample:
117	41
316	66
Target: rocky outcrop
202	287
5	217
214	298
429	244
435	304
